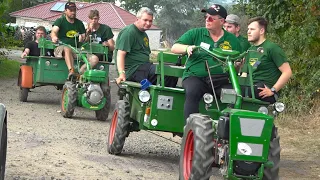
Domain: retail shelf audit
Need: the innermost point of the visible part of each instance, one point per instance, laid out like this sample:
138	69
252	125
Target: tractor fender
25	77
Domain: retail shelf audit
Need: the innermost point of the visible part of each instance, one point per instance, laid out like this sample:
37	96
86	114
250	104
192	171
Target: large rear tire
102	114
23	94
68	99
3	150
274	156
119	127
196	156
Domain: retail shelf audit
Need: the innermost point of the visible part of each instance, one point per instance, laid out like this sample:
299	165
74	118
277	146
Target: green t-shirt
136	44
67	30
103	33
266	64
200	36
245	45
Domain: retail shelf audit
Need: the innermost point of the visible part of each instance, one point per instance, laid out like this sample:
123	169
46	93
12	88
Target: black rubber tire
199	142
102	114
69	89
23	94
119	127
274	156
3	151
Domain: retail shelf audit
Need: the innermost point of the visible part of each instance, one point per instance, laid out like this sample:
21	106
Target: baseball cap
233	19
216	9
70	5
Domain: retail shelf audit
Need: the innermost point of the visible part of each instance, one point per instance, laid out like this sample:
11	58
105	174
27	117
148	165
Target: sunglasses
210	19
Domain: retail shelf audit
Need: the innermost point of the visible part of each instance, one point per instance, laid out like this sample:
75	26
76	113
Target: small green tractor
235	133
91	90
3	140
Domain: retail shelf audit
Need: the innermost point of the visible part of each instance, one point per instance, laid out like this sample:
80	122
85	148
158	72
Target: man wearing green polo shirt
271	70
132	52
232	25
196	78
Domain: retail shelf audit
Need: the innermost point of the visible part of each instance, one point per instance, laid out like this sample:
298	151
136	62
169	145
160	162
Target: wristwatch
122	72
273	90
275	94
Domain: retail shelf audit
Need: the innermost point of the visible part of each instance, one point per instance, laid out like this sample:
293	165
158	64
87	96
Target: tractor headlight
144	96
279	107
101	67
48	63
208	98
263	110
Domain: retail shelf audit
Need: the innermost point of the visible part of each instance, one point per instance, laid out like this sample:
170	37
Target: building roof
110	14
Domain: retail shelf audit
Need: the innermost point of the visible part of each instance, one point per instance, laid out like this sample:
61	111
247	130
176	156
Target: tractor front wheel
274	156
3	150
196	156
102	114
68	99
119	128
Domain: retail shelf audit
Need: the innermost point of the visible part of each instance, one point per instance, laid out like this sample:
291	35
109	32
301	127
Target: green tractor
235	133
91	90
3	140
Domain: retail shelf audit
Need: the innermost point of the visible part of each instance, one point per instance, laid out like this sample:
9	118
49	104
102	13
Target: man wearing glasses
195	78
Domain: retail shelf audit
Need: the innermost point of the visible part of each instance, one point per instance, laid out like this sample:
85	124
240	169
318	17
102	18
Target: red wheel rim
113	126
188	155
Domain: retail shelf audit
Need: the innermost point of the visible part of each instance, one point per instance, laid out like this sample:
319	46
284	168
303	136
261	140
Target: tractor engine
94	94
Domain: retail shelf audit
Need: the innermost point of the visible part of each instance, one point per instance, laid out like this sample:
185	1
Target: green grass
8	68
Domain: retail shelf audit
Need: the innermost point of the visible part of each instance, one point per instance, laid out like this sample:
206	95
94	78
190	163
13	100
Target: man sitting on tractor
100	33
132	52
66	29
196	80
271	70
32	49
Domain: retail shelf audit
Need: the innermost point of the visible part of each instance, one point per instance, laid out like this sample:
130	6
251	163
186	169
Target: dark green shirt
266	64
136	44
103	33
245	45
196	63
67	30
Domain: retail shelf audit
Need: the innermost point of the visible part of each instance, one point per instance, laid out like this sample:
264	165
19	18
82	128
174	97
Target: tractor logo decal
244	148
146	41
71	33
225	45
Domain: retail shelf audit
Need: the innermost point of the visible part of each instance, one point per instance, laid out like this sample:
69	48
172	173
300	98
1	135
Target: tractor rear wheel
3	150
196	156
102	114
68	99
274	156
23	94
119	127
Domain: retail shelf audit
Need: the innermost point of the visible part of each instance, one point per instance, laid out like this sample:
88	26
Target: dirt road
44	145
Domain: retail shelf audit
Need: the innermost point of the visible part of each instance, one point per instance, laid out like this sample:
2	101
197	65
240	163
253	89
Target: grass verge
8	68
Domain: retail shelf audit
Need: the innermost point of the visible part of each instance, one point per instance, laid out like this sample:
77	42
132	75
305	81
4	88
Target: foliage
295	26
8	68
174	17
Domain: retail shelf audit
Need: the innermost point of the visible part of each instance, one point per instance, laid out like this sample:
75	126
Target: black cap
70	5
216	9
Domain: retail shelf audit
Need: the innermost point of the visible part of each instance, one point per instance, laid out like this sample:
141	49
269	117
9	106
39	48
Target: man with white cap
232	25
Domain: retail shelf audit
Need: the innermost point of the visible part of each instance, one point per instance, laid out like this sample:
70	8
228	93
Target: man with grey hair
232	25
132	51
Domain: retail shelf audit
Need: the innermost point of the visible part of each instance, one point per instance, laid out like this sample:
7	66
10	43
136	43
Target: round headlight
101	67
263	110
144	96
208	98
279	107
48	63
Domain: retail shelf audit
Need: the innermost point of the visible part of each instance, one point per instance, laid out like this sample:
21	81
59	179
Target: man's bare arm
54	34
285	76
